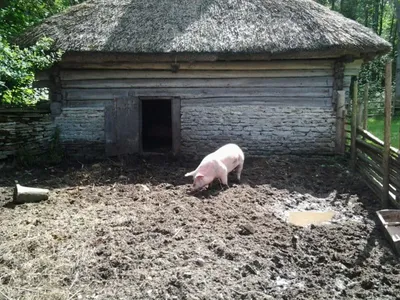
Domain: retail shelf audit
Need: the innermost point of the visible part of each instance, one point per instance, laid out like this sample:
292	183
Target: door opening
156	125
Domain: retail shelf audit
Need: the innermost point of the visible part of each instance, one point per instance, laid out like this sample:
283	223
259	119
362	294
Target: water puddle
305	218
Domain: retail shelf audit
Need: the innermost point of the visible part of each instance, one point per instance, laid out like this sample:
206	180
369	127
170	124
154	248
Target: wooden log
371	163
386	147
365	116
205	92
281	82
369	178
376	140
354	125
373	148
23	194
137	74
206	66
359	114
340	126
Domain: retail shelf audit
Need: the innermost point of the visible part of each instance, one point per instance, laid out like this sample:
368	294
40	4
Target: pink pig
217	165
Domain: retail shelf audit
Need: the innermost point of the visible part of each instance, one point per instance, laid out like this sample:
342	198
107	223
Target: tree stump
23	194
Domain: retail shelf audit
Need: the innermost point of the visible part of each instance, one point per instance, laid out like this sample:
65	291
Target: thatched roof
207	26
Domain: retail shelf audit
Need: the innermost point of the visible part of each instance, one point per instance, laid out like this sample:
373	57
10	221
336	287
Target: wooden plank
340	134
204	66
76	94
365	116
176	125
126	74
87	103
260	101
232	101
371	163
122	127
373	148
310	82
109	129
376	140
354	125
386	146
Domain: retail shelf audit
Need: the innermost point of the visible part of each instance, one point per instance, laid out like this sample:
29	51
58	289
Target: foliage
380	16
17	68
18	15
376	126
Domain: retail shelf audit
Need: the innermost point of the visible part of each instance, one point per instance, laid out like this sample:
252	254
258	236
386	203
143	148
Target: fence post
386	140
365	117
354	125
340	123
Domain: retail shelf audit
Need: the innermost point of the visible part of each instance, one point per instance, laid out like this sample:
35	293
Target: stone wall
258	129
82	131
24	131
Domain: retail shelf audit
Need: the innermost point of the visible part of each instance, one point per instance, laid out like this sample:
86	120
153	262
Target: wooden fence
376	160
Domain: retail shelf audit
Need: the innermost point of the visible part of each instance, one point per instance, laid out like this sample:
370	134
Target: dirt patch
131	231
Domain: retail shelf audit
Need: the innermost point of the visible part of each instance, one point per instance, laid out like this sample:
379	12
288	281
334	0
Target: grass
375	126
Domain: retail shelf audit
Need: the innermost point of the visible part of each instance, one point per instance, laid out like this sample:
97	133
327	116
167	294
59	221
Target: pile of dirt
131	230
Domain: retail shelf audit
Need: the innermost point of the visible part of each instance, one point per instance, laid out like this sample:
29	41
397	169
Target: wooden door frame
175	119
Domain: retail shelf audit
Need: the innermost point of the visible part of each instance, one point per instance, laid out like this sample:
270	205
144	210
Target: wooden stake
365	117
399	138
386	140
354	125
340	122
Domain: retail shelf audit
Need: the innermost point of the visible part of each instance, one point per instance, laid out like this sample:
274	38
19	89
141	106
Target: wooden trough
390	221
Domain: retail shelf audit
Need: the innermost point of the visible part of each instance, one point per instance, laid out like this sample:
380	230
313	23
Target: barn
187	76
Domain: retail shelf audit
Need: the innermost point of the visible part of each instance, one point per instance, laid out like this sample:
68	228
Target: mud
130	230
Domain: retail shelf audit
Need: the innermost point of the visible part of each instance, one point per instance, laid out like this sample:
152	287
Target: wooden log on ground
23	194
386	146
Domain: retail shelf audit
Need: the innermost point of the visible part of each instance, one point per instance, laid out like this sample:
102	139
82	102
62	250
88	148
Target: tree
18	15
398	53
17	67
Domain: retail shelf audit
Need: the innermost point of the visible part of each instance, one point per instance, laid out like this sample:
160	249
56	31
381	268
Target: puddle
305	209
305	218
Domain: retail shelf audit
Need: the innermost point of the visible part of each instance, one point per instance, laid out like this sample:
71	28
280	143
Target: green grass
375	126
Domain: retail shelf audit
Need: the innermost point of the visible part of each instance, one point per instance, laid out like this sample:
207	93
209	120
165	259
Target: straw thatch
211	26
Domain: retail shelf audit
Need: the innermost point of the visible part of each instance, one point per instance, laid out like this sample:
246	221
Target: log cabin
187	76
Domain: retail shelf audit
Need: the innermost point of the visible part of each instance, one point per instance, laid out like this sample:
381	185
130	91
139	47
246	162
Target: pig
217	165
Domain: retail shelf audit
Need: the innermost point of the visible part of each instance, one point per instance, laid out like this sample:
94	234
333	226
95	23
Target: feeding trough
23	194
390	220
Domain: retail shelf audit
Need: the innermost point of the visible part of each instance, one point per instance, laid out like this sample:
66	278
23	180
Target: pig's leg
239	170
224	176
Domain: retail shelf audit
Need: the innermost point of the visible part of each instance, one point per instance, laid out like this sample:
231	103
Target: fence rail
376	160
369	152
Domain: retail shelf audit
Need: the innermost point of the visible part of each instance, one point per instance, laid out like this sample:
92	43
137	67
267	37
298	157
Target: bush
17	71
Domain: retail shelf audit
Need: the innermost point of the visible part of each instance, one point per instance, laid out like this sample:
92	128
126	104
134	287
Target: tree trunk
398	52
375	20
333	5
381	10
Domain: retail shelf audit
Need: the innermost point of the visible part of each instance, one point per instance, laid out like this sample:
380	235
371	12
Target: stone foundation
259	130
26	131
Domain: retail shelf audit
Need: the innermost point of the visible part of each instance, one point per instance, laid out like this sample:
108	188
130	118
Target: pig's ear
199	175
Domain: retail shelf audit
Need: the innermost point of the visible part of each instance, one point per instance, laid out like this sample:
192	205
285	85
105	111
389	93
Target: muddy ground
129	230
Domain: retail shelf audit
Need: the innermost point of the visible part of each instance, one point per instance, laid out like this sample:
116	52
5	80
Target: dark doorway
156	125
